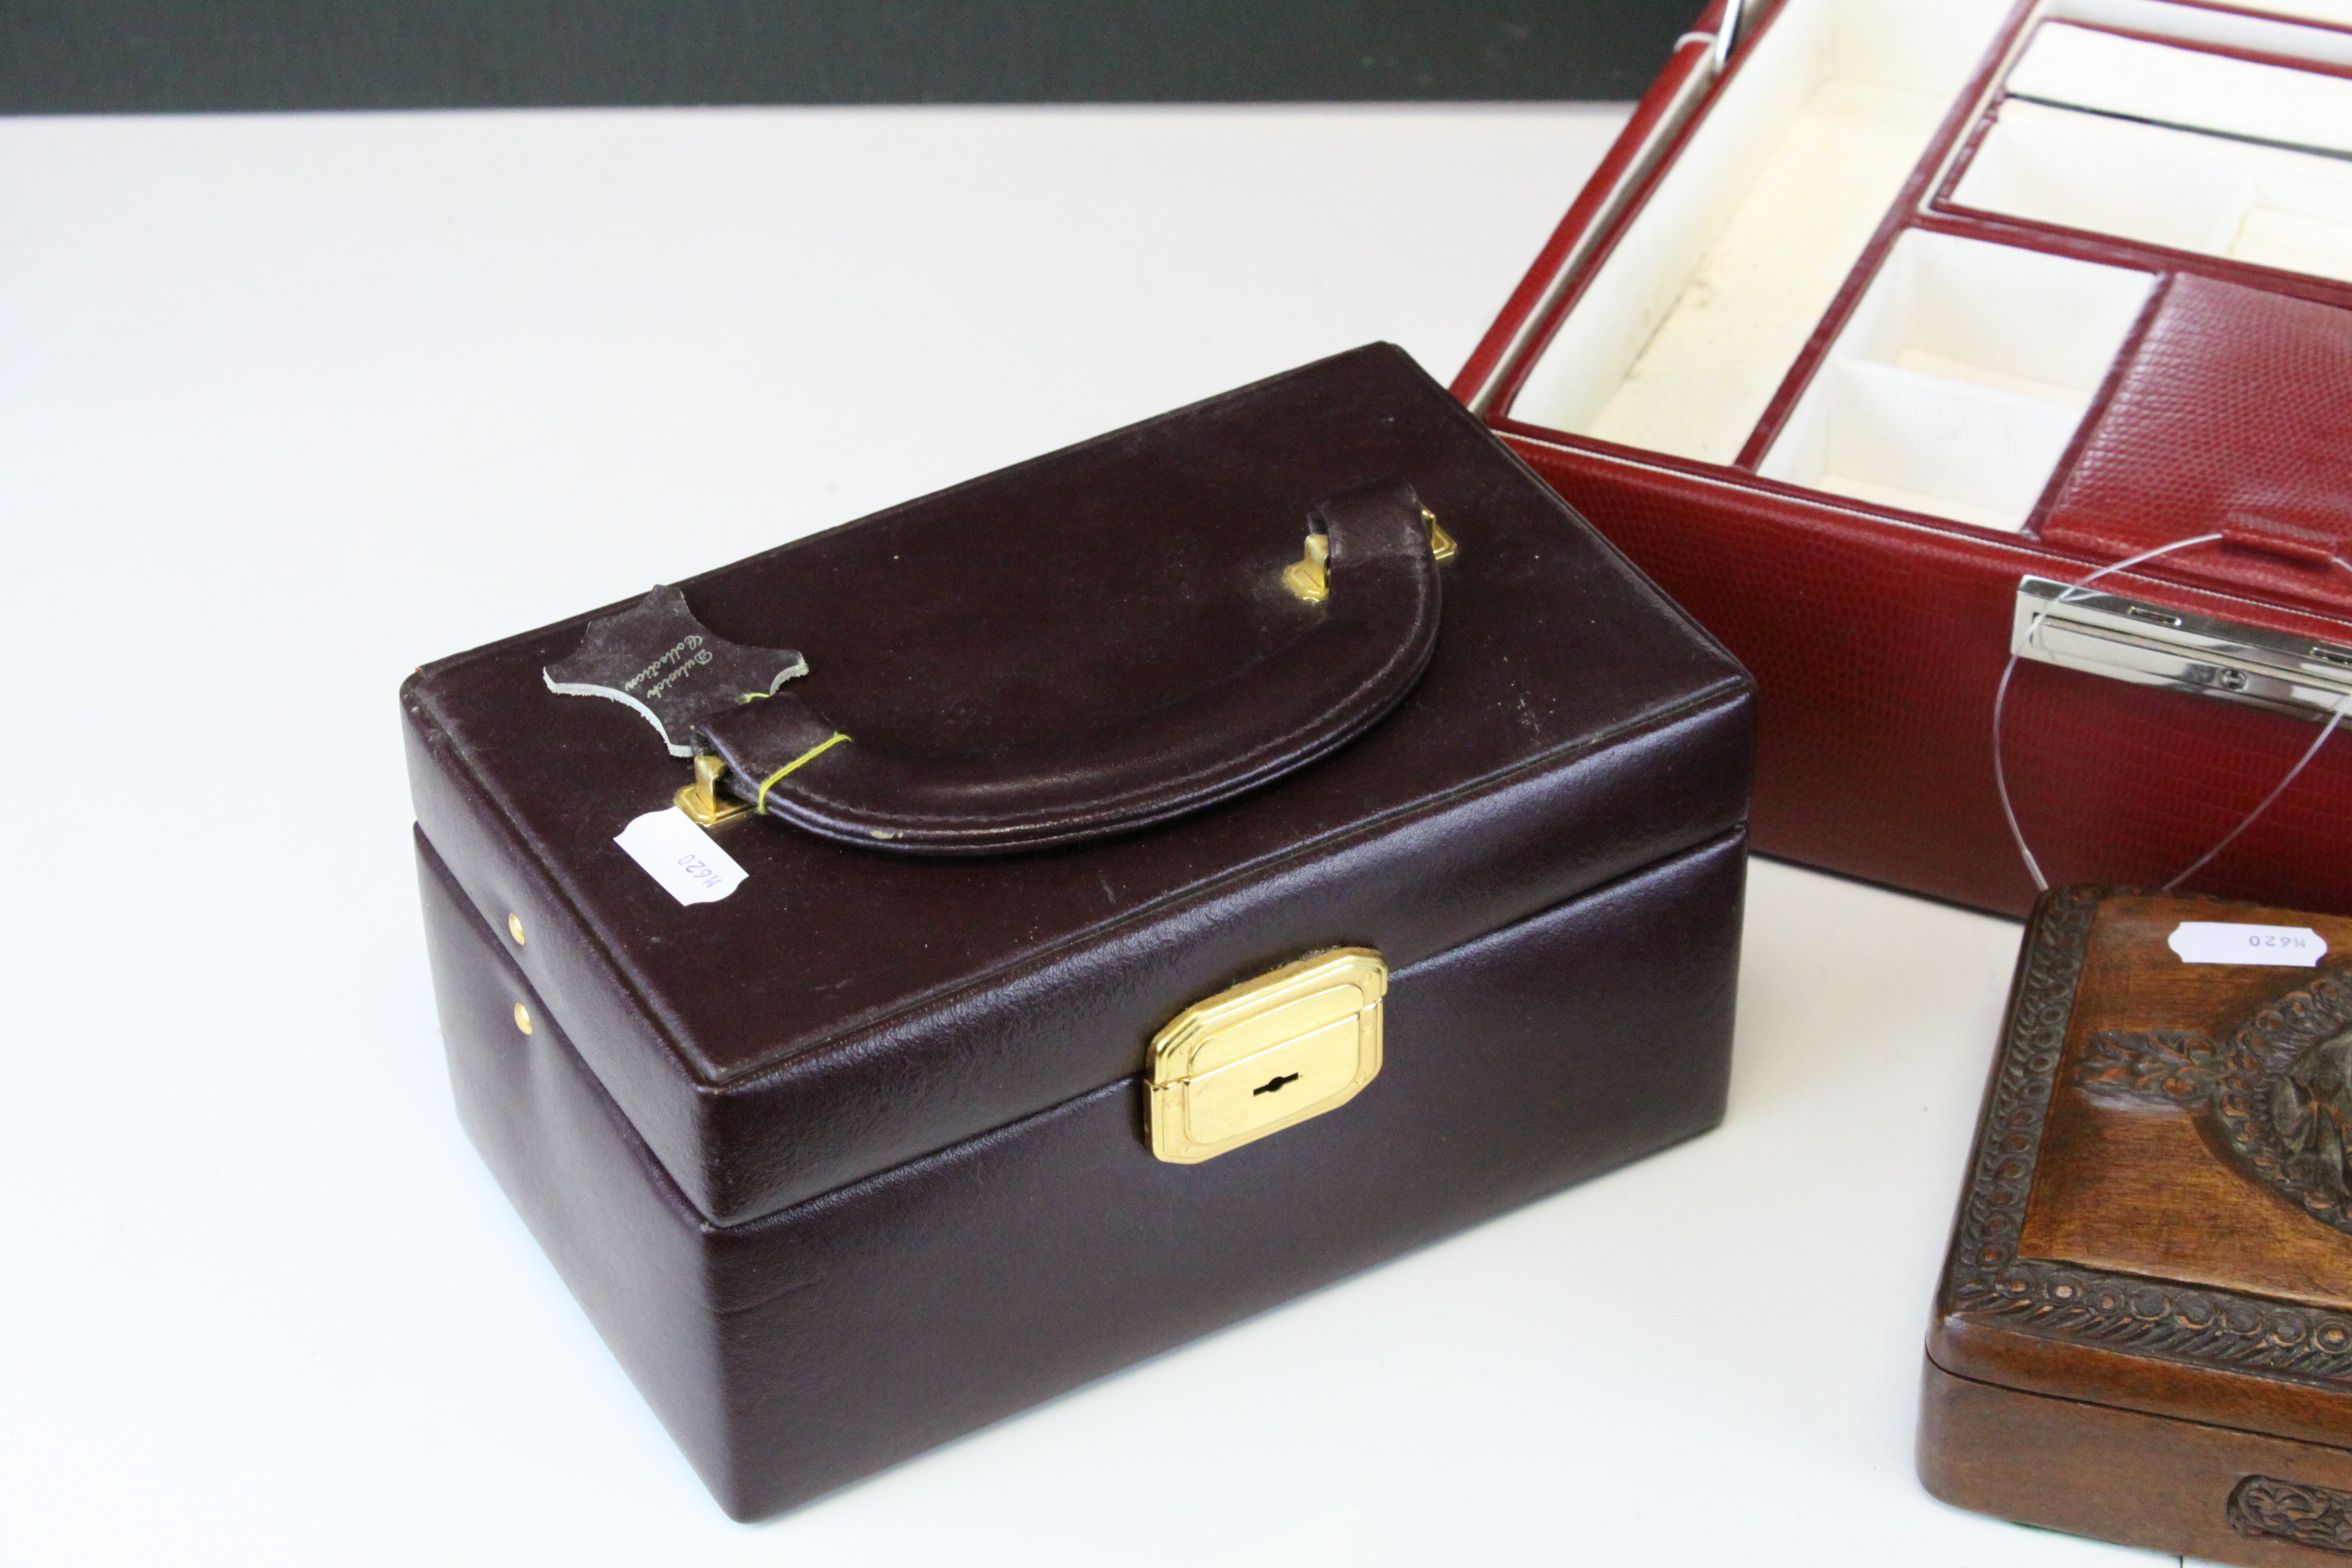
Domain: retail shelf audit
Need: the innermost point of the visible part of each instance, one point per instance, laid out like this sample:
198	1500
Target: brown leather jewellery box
2144	1331
1298	752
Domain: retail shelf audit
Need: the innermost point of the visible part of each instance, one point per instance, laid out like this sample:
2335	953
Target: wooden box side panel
2142	1480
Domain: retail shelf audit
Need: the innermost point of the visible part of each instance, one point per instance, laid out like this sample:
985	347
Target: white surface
1693	319
287	405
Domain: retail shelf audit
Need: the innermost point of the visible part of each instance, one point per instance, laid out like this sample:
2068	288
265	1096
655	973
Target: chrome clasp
2153	645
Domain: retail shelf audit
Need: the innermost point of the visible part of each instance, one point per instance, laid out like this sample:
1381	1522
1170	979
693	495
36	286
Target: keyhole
1273	1084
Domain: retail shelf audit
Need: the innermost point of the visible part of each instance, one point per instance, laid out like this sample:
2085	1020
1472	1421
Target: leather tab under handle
1356	655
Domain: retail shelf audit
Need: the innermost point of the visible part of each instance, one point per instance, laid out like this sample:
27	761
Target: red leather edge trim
1877	640
1999	228
1486	359
1550	452
1899	215
2291	62
2087	245
2086	427
2229	9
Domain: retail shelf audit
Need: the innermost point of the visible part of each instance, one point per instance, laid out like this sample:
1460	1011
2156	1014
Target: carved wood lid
2158	1211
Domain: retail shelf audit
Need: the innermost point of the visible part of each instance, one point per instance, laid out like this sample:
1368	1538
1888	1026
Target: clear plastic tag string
2033	636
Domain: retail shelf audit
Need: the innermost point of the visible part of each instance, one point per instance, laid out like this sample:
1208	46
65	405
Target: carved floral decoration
2286	1135
2278	1091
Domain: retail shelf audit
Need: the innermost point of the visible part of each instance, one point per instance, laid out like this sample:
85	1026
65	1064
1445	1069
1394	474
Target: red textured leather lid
2232	414
848	1009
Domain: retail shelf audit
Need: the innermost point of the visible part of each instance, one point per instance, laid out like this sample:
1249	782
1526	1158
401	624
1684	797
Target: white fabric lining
1920	443
2083	68
1960	379
2335	13
1757	295
2180	189
2227	29
1688	327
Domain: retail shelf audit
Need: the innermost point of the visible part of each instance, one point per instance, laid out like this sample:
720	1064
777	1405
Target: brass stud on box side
514	928
522	1017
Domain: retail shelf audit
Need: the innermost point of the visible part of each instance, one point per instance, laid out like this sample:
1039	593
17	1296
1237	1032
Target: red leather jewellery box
1886	324
909	973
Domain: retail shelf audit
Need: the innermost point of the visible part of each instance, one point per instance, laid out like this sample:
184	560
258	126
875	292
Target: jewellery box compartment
1959	380
1863	294
2174	144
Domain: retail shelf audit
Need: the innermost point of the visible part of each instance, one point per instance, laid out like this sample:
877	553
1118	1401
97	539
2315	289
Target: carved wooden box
2144	1330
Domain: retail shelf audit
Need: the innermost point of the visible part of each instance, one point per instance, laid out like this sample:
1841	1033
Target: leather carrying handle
1356	656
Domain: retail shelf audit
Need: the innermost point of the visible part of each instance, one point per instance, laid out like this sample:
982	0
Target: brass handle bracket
701	800
1309	577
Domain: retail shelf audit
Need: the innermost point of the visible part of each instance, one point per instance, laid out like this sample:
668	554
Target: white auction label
685	860
2219	942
